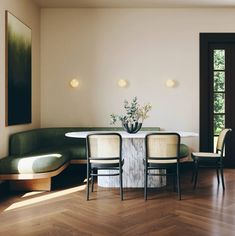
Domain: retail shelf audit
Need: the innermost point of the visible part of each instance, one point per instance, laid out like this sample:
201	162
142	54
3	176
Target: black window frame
205	86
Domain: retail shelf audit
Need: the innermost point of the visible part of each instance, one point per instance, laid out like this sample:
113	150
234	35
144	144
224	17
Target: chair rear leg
196	175
217	173
145	183
178	181
121	184
222	176
88	180
193	172
92	180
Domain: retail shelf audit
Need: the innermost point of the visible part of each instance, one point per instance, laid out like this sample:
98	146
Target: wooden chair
104	152
162	152
210	159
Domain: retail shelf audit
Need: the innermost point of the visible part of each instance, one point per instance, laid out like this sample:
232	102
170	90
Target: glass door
217	91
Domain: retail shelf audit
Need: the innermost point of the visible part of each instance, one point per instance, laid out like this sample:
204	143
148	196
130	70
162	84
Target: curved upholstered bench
35	156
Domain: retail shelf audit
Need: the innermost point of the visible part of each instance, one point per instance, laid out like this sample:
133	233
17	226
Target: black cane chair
210	159
162	153
104	152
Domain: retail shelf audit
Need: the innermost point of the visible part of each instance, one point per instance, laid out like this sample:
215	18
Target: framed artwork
18	71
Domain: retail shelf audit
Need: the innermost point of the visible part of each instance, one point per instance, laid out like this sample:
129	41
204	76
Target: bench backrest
36	139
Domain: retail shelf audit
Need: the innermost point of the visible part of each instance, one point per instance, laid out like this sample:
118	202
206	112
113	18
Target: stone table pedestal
133	153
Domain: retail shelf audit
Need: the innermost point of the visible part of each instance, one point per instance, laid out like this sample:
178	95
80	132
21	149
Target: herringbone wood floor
64	211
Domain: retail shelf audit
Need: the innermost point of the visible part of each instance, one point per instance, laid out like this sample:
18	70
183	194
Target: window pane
219	59
219	123
219	103
219	84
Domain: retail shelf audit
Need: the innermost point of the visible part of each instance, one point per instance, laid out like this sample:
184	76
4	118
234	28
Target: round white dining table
133	153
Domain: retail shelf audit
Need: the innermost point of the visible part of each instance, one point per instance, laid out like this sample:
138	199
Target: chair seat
162	161
167	161
105	161
205	154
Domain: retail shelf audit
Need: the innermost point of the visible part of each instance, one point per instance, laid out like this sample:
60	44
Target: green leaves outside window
219	81
219	90
219	106
219	59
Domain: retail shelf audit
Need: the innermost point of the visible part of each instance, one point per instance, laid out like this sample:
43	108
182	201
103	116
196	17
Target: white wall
29	13
144	46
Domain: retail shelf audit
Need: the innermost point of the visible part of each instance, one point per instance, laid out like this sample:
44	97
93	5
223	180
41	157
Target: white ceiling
135	3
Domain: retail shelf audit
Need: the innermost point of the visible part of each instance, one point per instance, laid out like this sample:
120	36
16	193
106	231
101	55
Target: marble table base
133	152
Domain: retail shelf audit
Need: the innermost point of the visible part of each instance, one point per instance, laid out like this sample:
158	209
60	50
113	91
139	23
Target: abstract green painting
18	71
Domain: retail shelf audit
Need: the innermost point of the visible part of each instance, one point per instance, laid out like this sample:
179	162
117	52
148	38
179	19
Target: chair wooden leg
196	175
222	176
88	180
193	172
217	173
92	181
145	183
121	187
178	181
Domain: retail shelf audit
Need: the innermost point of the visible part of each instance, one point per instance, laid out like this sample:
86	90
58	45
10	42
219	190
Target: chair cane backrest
162	146
221	139
104	145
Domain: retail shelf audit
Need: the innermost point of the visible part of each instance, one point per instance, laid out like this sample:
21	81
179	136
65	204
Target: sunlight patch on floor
49	196
29	194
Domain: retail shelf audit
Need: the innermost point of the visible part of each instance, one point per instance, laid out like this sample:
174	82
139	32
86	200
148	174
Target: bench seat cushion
40	161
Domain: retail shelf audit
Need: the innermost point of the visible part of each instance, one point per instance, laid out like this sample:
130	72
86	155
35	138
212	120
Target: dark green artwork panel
19	69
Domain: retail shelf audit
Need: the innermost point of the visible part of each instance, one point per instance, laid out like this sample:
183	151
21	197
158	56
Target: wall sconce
170	83
74	83
122	83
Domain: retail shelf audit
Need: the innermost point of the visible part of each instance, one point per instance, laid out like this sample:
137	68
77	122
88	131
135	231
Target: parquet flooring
64	211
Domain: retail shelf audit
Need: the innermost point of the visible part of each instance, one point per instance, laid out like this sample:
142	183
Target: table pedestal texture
133	153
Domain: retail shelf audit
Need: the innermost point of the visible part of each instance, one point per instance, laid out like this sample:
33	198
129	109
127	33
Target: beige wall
144	46
29	13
